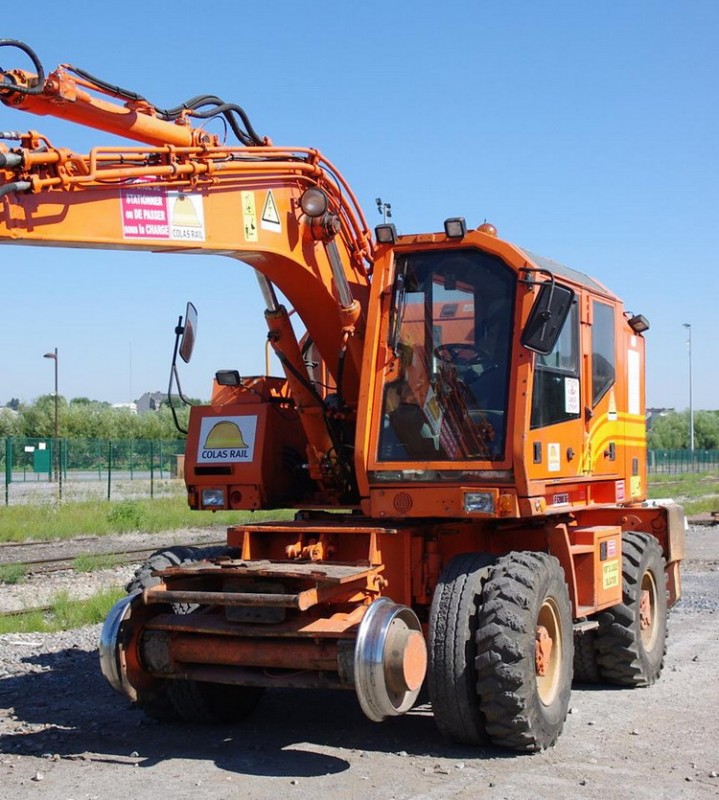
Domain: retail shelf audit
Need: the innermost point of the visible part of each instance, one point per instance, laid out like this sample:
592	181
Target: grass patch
687	484
704	506
64	615
92	563
101	518
697	492
12	573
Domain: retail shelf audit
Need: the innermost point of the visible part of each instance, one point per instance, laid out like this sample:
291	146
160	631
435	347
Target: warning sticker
161	214
620	490
270	219
554	458
432	411
249	216
226	439
571	395
610	574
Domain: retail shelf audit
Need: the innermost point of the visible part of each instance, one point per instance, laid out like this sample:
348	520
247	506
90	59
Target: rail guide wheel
390	660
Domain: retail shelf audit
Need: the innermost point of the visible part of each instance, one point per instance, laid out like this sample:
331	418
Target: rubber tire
519	587
168	558
156	702
451	674
586	669
623	656
212	703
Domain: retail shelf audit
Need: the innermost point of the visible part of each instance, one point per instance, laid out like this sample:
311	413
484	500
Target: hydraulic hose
32	55
15	186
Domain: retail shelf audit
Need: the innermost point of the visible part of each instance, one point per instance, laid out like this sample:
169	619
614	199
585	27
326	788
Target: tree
671	432
8	422
83	418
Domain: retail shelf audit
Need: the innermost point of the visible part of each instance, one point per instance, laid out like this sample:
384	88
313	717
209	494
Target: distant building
151	401
131	406
653	414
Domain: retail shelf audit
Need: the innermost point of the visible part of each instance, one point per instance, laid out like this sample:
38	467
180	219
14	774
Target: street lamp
691	404
56	443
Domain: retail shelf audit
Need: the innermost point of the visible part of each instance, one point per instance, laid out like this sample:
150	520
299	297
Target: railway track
117	557
49	565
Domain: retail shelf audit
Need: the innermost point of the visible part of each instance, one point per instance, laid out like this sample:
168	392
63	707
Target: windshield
445	393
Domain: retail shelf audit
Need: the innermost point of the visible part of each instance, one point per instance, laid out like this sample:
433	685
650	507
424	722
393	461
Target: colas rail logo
227	439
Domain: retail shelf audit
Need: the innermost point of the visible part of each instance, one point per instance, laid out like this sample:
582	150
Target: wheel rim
548	651
647	610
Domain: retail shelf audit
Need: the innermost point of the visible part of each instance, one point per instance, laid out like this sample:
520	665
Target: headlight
213	498
479	502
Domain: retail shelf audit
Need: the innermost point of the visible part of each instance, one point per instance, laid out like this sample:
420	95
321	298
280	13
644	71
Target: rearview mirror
187	343
547	317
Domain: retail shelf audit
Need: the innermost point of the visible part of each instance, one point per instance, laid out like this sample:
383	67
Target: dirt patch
65	735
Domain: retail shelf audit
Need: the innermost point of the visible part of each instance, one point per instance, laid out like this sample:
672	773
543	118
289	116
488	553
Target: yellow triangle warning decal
270	219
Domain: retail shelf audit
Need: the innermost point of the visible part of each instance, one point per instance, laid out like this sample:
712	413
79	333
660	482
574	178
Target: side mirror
547	317
187	342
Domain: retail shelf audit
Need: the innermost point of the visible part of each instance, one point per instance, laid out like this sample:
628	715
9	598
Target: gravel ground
64	734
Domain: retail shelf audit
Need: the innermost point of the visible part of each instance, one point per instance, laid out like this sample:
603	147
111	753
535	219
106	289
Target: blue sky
586	132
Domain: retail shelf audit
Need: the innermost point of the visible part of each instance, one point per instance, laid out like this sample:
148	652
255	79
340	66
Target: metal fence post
109	469
152	469
8	468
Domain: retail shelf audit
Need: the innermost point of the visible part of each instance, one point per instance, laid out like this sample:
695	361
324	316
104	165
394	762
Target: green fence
33	470
672	462
26	462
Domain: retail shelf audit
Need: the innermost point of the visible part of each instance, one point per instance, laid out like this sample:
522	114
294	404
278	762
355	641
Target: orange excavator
459	429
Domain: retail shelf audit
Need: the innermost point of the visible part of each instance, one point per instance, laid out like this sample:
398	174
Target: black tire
156	703
212	703
451	676
523	710
586	669
144	576
631	644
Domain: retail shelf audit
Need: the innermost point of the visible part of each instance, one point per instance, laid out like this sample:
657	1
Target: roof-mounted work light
639	323
228	377
386	234
455	228
314	202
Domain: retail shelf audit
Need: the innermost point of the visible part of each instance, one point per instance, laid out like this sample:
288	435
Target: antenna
385	209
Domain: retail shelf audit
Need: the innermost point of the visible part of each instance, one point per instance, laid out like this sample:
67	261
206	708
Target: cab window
556	391
603	358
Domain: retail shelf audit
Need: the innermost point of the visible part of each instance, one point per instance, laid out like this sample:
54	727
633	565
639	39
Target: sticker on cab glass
226	439
571	395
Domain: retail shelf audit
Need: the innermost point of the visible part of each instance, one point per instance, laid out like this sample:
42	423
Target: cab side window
555	394
603	356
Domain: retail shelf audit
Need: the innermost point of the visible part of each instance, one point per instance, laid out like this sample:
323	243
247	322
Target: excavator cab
446	396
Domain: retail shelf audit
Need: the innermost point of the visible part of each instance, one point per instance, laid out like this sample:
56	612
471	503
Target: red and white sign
160	214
